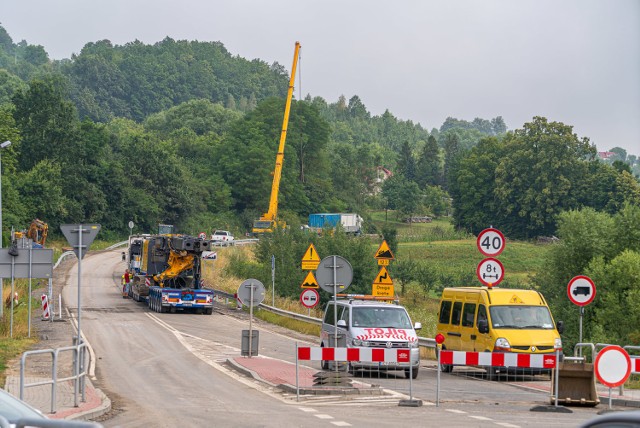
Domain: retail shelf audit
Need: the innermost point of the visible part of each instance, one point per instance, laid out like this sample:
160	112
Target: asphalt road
168	370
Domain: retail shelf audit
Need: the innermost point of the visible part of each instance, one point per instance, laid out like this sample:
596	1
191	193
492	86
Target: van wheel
413	373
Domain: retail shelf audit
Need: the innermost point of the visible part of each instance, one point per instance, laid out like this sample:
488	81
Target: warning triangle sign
311	259
383	277
309	281
515	299
384	252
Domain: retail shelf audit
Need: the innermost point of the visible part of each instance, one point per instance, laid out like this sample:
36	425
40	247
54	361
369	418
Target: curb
104	407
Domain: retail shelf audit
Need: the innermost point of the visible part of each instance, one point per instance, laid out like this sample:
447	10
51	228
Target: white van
371	324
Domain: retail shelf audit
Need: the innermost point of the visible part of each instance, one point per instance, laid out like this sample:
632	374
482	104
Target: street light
2	146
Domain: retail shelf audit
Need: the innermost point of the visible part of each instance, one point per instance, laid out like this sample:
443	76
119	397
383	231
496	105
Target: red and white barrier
498	359
45	308
368	355
635	365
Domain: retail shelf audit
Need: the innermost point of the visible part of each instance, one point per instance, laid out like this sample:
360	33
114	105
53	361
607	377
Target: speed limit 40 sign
491	242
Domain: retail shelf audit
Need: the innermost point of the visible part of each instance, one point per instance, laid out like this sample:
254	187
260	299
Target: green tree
536	179
428	164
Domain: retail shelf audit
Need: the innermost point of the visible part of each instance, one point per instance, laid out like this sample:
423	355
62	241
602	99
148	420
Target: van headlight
502	345
557	344
358	342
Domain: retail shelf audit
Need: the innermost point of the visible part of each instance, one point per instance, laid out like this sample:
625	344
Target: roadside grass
12	345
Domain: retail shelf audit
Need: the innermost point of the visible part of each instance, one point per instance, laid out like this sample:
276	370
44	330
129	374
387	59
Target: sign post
581	291
612	367
273	280
334	272
74	234
250	293
491	242
490	272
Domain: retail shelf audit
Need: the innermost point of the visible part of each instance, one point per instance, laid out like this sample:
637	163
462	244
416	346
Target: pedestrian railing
80	353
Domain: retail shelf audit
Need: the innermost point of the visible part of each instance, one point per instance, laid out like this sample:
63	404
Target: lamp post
2	146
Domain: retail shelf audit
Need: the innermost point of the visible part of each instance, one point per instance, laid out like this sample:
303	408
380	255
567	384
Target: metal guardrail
425	342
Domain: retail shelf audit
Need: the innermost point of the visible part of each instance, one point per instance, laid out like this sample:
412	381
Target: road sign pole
580	330
273	280
250	316
13	267
29	322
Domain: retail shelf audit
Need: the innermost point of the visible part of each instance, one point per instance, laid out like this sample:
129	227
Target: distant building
382	174
606	155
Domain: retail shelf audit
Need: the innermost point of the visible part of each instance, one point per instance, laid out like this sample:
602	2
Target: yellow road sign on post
311	259
383	284
310	281
384	254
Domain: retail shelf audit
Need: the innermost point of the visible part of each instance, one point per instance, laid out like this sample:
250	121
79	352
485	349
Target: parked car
624	419
222	237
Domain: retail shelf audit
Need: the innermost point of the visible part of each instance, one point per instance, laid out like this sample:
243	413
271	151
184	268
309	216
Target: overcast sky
573	61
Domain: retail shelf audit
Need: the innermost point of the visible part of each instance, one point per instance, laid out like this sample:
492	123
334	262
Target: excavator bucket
576	385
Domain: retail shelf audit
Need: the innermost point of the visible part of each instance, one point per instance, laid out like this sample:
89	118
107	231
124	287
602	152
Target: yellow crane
269	220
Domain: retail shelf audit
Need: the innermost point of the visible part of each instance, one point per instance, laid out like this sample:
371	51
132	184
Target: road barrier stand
521	369
341	365
45	308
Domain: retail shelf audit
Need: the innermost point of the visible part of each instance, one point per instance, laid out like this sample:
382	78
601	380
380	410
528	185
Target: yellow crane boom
268	221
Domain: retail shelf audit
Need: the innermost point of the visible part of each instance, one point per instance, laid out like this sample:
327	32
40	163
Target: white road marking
341	423
461	412
507	425
480	418
307	409
323	416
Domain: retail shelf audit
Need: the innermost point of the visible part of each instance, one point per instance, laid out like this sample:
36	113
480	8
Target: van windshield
391	317
521	317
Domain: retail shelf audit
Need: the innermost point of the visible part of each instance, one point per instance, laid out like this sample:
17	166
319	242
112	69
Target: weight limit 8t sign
490	272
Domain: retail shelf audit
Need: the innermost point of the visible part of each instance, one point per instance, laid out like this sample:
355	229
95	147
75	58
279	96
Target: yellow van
482	319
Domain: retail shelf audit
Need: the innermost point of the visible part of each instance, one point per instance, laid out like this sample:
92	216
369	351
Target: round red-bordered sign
612	366
309	297
491	242
490	271
581	290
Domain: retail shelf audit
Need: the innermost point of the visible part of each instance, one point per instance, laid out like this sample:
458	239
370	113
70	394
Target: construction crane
268	222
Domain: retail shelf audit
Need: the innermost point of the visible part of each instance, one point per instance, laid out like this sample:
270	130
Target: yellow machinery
37	232
269	221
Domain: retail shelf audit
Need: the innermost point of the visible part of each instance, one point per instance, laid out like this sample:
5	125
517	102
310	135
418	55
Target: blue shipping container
324	220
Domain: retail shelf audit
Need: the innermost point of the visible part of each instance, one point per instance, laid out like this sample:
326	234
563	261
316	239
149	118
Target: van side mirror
417	326
483	326
342	323
560	326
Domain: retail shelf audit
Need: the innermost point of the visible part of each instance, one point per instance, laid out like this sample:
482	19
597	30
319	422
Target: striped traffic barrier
45	308
498	359
368	355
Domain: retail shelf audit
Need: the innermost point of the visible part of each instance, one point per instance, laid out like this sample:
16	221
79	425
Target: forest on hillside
185	133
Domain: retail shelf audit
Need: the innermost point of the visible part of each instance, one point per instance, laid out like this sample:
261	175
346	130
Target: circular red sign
490	271
309	297
439	338
581	290
612	366
491	242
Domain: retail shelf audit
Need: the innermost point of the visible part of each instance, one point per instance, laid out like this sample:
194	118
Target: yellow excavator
268	222
37	232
